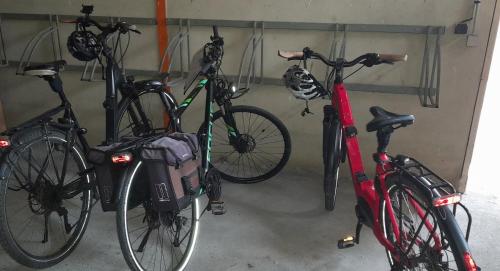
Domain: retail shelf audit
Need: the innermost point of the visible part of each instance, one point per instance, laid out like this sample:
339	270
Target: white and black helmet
302	83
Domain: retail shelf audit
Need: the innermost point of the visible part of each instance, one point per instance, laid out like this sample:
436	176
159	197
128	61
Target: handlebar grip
390	58
216	31
291	54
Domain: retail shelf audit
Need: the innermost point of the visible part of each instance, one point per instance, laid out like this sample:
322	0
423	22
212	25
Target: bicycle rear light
470	265
447	200
121	158
4	143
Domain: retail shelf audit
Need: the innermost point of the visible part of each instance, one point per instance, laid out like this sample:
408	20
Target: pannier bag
172	165
109	174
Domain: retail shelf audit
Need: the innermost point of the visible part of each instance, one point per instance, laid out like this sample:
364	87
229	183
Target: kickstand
145	240
46	228
359	226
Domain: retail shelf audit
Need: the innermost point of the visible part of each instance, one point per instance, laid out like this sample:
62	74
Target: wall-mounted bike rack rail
3	55
247	70
428	89
53	32
176	44
430	75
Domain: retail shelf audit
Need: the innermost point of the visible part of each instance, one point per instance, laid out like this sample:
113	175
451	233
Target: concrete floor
278	225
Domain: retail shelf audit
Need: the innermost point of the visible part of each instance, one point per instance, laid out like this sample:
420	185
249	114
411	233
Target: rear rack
435	185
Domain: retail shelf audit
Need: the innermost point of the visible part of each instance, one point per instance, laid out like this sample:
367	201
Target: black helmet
83	45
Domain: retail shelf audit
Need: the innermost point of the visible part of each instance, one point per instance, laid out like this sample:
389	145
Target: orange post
162	35
162	30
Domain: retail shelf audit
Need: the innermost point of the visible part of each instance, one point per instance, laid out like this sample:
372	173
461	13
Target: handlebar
369	59
86	21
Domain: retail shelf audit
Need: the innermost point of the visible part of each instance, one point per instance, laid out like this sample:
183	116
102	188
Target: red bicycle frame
363	186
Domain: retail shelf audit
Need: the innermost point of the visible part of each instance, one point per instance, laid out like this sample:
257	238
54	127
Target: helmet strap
306	110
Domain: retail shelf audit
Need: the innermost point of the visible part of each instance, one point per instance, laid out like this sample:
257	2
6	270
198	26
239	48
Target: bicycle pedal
217	207
346	242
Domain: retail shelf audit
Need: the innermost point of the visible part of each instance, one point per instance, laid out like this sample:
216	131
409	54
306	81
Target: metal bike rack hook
430	77
247	70
53	31
4	62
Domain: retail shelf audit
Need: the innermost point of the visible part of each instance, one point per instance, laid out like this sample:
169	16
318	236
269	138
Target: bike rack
53	32
175	45
4	62
427	90
336	43
430	77
247	69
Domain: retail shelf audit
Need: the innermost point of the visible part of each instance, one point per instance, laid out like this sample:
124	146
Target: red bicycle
410	209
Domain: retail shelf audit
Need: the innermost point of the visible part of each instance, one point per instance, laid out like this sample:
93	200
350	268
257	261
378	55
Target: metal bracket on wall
247	74
3	55
53	32
428	90
430	75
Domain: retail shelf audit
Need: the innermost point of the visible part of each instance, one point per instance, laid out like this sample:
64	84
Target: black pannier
109	174
172	164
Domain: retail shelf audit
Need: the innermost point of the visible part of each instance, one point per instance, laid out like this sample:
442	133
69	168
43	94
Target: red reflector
121	158
4	143
470	265
447	200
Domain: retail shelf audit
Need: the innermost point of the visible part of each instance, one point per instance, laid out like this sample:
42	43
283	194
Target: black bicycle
47	188
152	239
249	144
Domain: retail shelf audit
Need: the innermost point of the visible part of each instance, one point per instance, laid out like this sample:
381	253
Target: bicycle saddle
385	118
45	69
149	85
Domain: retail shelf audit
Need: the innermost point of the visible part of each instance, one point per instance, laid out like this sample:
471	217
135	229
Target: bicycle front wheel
149	239
332	152
45	199
260	152
429	237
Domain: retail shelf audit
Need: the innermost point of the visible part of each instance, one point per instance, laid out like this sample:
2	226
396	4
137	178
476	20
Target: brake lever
133	28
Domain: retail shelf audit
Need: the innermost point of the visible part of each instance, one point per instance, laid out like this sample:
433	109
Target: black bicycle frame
224	103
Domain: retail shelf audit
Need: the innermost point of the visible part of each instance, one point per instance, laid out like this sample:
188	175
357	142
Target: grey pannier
173	168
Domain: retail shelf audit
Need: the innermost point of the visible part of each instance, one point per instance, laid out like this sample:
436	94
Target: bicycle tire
7	240
127	247
333	157
445	222
258	112
156	101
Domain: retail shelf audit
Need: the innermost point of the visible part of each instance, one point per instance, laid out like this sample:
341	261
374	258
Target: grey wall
438	138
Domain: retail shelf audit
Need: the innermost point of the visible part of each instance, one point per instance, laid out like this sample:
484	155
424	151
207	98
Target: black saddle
385	118
45	69
155	85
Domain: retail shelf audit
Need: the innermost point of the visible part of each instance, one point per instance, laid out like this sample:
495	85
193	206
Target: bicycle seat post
383	138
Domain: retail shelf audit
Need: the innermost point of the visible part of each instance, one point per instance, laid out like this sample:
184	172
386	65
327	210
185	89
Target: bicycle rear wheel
144	114
149	239
43	215
261	151
429	237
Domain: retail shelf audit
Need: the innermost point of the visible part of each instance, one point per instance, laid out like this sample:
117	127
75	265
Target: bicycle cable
357	70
